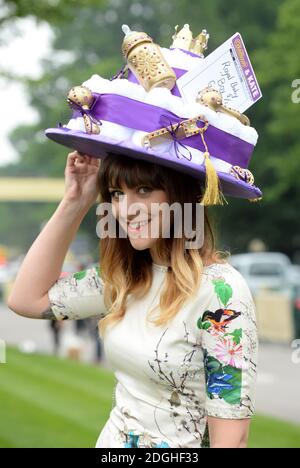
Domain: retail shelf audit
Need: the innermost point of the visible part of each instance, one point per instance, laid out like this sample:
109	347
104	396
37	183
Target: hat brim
99	146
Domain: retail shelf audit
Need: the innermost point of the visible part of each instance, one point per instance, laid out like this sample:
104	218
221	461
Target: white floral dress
170	378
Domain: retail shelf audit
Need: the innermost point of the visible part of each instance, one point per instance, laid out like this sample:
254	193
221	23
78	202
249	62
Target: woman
185	375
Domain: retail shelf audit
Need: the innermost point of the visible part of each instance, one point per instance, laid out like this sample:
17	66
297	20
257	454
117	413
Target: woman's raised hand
81	174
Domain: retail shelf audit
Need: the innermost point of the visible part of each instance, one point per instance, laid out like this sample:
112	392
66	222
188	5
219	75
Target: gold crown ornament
199	44
183	39
145	60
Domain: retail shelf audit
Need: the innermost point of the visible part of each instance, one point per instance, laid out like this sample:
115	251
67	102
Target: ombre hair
125	270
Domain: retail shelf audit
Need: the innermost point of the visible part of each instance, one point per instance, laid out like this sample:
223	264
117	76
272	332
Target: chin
142	244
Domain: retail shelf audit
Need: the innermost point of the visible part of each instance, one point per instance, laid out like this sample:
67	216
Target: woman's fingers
71	159
95	162
90	159
76	157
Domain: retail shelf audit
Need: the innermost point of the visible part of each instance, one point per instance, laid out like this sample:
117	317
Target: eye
113	192
144	187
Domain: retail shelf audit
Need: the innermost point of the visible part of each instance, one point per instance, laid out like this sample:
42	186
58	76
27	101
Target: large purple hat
145	117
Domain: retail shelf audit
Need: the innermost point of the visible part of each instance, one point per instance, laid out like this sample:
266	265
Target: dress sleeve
78	296
230	347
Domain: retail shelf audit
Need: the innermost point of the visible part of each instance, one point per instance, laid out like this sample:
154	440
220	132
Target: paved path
32	333
278	390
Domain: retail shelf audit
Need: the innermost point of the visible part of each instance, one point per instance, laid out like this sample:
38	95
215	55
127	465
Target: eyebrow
111	187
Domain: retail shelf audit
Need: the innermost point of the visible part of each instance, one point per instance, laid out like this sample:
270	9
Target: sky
21	56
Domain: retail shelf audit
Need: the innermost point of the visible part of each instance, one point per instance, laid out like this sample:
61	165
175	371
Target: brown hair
125	270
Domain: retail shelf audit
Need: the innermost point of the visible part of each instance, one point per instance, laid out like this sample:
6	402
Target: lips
138	225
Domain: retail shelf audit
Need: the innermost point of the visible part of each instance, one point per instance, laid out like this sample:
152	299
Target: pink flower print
229	353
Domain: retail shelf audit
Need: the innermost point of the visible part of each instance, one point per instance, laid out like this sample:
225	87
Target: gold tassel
212	194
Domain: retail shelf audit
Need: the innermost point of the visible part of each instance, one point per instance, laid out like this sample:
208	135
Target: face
139	212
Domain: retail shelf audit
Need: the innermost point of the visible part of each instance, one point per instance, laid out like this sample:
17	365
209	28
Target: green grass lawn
50	402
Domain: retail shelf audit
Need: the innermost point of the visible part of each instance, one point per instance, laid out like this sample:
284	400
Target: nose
129	207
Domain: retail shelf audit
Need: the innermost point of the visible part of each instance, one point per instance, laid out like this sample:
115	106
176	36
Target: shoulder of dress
227	274
222	270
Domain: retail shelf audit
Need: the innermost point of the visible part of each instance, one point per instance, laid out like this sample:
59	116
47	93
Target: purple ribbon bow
87	112
165	122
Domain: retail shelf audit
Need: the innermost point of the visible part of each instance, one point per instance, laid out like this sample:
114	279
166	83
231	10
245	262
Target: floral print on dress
137	441
229	335
229	352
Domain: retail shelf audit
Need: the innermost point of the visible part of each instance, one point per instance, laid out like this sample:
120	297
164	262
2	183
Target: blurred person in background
55	329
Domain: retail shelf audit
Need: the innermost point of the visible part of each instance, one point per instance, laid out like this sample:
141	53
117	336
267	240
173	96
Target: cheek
114	209
162	197
158	203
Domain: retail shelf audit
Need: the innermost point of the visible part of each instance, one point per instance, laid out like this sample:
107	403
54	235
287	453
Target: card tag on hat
227	69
